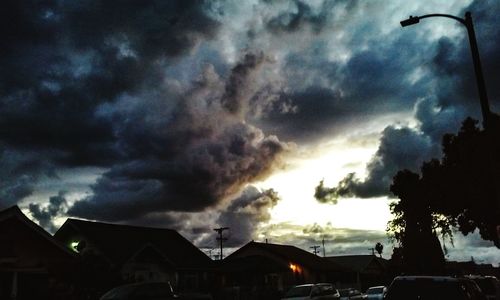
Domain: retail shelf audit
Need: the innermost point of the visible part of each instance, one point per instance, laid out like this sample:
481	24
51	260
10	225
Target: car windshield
299	291
376	290
424	289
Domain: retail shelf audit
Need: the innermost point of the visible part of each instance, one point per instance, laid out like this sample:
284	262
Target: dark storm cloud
20	171
45	215
399	148
238	87
62	60
242	215
329	97
453	61
207	154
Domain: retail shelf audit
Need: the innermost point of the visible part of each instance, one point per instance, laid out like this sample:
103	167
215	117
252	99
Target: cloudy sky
197	114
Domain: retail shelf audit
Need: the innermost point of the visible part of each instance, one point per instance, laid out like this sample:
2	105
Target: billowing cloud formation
63	62
87	84
207	153
245	213
181	104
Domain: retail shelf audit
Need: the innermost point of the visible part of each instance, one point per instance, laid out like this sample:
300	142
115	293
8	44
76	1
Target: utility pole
315	249
323	247
220	238
373	250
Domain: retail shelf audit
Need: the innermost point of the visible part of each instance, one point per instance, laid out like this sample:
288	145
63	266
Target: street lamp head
410	21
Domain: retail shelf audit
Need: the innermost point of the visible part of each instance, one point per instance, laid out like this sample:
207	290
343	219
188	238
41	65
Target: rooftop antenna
209	249
315	249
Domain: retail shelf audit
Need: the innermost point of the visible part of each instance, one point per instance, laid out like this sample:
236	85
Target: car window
378	290
299	291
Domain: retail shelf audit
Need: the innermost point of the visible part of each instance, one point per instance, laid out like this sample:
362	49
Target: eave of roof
15	212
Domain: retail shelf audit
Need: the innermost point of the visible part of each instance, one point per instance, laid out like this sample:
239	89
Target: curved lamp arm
415	19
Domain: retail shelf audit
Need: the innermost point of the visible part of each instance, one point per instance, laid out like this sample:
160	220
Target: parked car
150	291
489	285
433	287
376	292
351	294
318	291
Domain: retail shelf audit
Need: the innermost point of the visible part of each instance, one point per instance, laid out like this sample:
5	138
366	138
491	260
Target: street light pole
481	86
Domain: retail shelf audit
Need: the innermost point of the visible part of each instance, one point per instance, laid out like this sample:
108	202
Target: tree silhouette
462	190
412	226
464	186
379	248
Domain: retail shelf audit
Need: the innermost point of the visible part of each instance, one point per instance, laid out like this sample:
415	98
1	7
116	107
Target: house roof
357	263
120	242
254	264
15	213
292	254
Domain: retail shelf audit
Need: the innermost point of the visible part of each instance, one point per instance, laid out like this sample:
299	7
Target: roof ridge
16	212
70	220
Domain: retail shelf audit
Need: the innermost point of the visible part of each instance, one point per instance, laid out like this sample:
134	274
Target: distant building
365	270
270	269
471	268
33	265
140	253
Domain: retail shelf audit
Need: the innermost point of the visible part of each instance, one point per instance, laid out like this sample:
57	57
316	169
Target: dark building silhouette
135	254
267	270
33	265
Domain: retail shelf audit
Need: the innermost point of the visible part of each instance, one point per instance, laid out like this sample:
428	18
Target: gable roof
292	254
15	213
120	242
357	263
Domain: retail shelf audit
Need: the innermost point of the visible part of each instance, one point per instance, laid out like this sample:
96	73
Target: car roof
302	285
313	284
433	278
